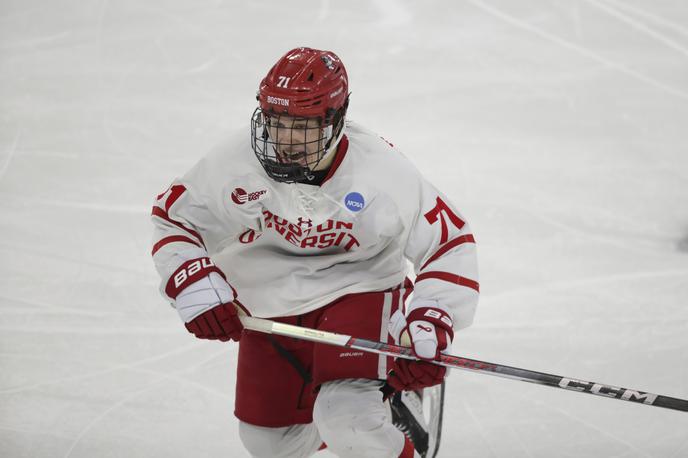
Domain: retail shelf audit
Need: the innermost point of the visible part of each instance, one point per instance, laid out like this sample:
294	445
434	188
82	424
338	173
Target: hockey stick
456	362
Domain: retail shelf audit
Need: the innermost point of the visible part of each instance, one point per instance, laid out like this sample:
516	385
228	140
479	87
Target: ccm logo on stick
195	267
609	391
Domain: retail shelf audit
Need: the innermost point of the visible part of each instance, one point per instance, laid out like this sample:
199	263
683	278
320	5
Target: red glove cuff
189	273
438	317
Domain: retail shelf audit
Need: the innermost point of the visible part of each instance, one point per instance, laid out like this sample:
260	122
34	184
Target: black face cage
289	148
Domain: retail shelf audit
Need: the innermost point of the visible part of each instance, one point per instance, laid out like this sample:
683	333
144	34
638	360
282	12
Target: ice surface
559	128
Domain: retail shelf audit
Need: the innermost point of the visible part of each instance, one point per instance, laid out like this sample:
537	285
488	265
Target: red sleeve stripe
160	213
176	192
171	239
451	278
460	240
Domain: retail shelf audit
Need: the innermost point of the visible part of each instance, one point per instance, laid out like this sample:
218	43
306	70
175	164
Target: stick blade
418	414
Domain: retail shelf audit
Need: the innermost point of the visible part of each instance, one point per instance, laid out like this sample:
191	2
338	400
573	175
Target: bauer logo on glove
194	267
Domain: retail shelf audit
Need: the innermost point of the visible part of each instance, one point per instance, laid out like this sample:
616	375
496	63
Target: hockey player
310	220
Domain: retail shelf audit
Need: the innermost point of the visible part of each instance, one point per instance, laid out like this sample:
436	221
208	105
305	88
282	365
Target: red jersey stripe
460	240
160	213
171	239
451	278
176	192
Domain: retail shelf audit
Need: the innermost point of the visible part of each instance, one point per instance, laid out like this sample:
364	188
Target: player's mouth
293	157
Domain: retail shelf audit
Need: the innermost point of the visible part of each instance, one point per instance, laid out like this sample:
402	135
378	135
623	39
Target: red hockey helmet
306	85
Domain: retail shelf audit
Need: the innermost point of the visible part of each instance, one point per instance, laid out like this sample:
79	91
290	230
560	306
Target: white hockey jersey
291	248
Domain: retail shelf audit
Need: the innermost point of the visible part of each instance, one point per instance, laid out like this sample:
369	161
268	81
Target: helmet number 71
283	81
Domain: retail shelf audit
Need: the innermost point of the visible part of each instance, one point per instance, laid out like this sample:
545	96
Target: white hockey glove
427	328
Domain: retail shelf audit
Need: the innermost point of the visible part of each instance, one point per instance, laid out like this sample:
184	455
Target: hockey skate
418	414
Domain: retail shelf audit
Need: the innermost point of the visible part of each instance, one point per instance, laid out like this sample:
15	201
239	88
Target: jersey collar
338	158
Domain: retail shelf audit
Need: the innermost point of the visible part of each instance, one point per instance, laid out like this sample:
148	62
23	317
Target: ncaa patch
354	201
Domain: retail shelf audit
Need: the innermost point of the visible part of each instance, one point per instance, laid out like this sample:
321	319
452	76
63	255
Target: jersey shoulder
230	160
378	162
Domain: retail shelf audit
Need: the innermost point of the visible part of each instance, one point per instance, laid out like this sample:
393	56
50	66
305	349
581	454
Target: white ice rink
559	128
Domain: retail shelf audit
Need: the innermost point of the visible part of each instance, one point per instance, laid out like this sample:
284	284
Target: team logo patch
354	201
240	196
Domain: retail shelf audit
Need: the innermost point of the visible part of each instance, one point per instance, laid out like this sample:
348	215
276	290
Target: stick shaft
456	362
